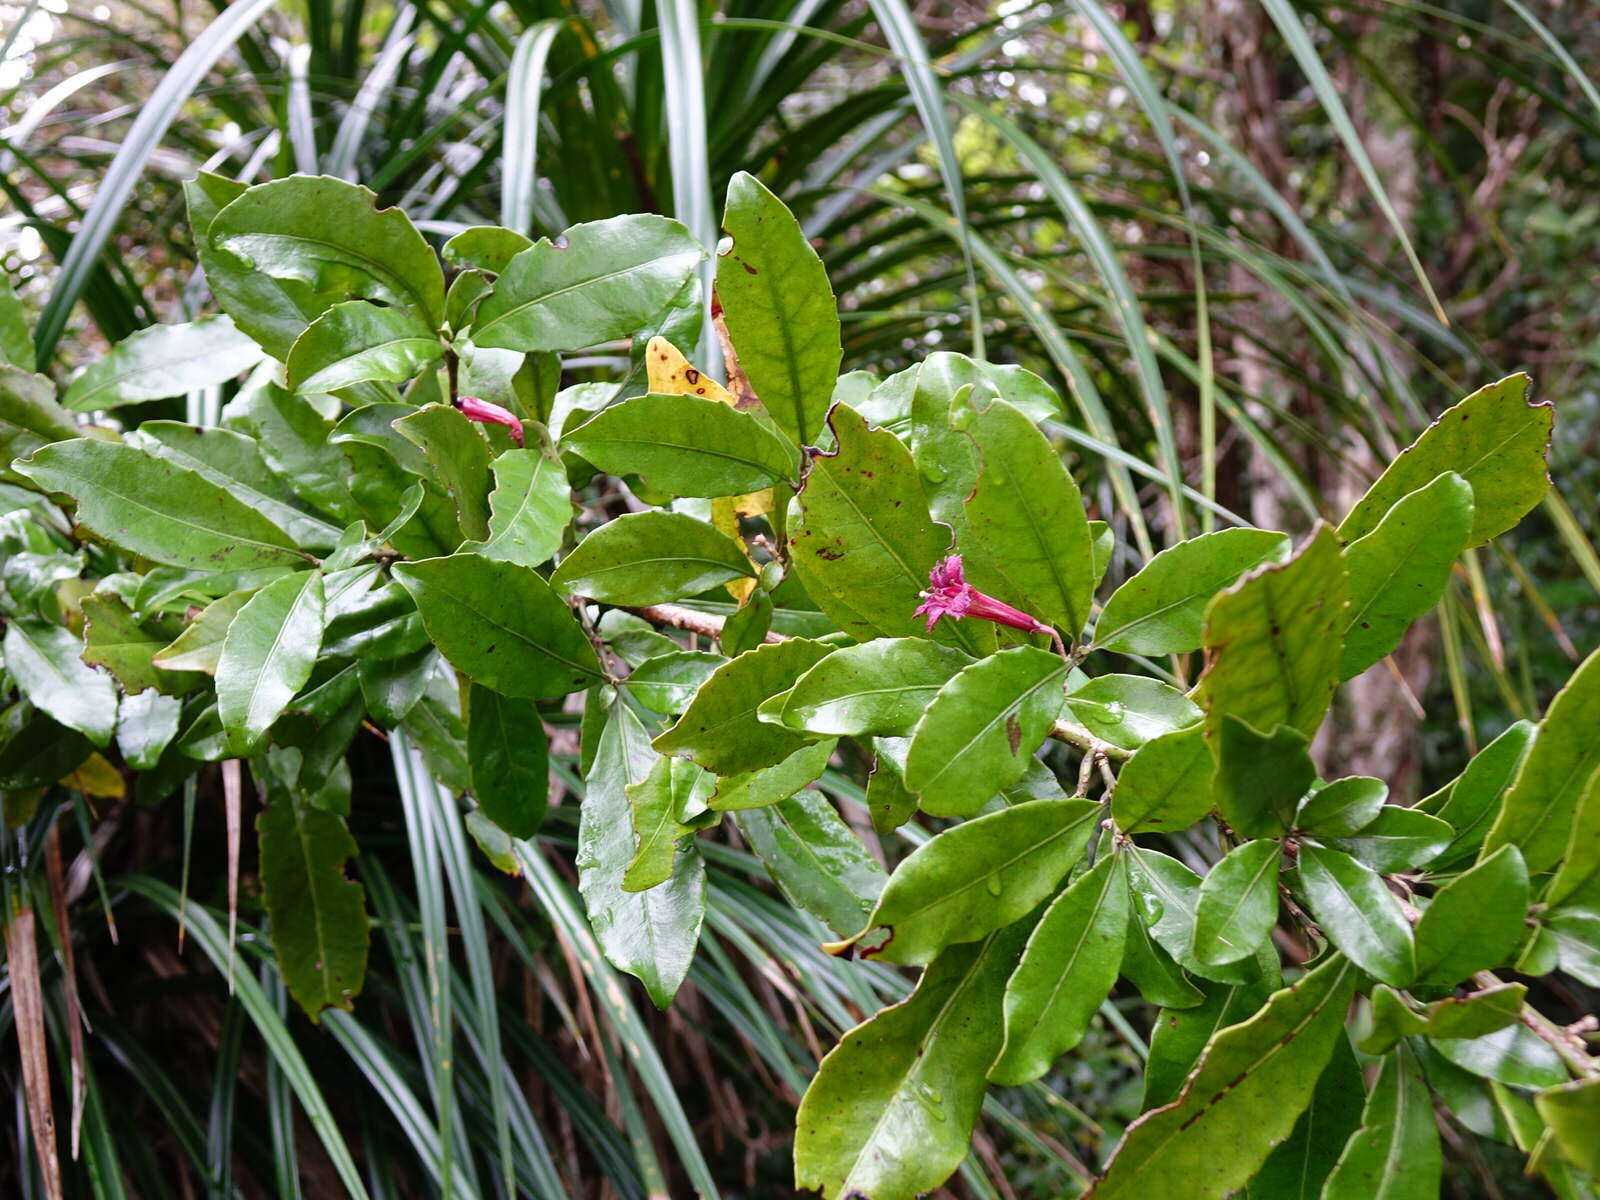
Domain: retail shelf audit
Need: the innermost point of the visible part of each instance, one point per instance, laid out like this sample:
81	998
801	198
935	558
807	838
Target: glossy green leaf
319	917
1301	1165
668	682
126	647
877	687
293	434
46	664
234	461
1179	1035
29	415
769	785
720	729
1150	969
910	1076
1400	839
1066	971
650	934
1259	780
1495	439
1474	1015
662	804
1475	921
373	425
1539	811
529	509
330	235
979	733
460	460
975	878
16	342
147	722
650	557
1238	903
391	687
1514	1055
1027	515
1358	914
1477	1013
1571	939
272	311
1165	894
1160	609
199	647
1395	1155
888	800
1130	710
815	858
501	624
748	627
1252	1084
1166	785
267	656
779	309
605	280
684	446
1343	807
1273	641
1471	802
1399	570
486	247
161	361
864	543
509	760
1572	1111
357	342
159	510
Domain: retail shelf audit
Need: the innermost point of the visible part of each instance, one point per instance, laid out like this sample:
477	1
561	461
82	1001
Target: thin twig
676	616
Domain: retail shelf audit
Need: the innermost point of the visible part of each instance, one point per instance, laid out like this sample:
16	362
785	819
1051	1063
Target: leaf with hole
1495	439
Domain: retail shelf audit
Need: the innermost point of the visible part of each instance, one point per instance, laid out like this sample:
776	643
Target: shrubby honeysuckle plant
411	517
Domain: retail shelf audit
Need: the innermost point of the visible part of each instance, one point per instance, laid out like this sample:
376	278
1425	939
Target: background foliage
1091	158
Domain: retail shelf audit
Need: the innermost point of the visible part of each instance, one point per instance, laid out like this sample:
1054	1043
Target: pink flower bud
492	414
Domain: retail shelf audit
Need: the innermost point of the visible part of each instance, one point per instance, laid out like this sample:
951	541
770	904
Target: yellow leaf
95	776
669	373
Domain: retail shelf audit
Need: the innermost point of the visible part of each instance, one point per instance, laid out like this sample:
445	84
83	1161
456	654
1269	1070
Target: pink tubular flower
950	595
481	410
